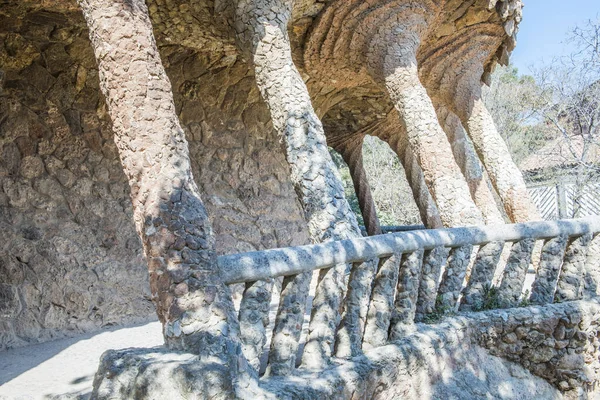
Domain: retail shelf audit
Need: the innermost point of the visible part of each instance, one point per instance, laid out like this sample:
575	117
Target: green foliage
525	300
441	311
490	301
513	101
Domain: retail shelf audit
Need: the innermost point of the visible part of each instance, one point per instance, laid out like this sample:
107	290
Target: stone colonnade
194	306
442	131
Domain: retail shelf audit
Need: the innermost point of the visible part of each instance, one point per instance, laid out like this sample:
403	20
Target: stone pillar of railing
592	268
515	272
350	334
453	278
546	278
482	275
571	280
254	318
382	303
430	277
407	292
288	324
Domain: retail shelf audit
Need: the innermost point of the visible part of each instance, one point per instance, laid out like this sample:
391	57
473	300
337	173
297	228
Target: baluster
325	317
482	275
430	277
288	324
407	292
254	318
514	275
453	278
570	283
544	286
592	268
382	303
350	333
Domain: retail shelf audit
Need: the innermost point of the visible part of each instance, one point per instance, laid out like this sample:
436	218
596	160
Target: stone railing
423	275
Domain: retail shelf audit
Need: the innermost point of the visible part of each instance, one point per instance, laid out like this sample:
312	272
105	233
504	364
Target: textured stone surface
382	303
407	292
430	277
546	277
230	105
453	277
468	161
254	319
288	324
439	362
571	280
592	269
159	374
349	336
482	275
515	272
359	49
558	342
66	212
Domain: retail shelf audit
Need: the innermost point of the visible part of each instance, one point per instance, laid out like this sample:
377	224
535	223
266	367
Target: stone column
592	269
482	275
351	152
427	139
428	210
262	30
407	292
382	303
469	164
428	286
254	318
503	172
192	303
452	279
513	278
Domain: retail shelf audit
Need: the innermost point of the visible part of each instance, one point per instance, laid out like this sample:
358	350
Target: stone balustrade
413	276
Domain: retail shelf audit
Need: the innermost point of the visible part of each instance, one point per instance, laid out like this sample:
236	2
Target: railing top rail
257	265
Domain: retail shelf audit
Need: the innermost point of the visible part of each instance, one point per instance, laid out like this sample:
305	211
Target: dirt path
64	369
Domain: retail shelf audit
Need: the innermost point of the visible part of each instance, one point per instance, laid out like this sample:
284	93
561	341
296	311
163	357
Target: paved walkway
64	369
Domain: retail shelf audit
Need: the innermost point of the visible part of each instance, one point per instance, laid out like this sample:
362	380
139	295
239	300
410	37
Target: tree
512	100
570	107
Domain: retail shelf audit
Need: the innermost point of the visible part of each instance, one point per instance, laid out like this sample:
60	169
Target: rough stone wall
442	361
558	342
70	260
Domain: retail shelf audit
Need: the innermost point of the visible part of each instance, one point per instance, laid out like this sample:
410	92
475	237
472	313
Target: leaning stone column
469	164
351	152
261	26
396	138
592	269
398	68
192	303
503	172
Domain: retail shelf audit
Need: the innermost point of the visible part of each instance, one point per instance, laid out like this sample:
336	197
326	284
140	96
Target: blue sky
545	27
